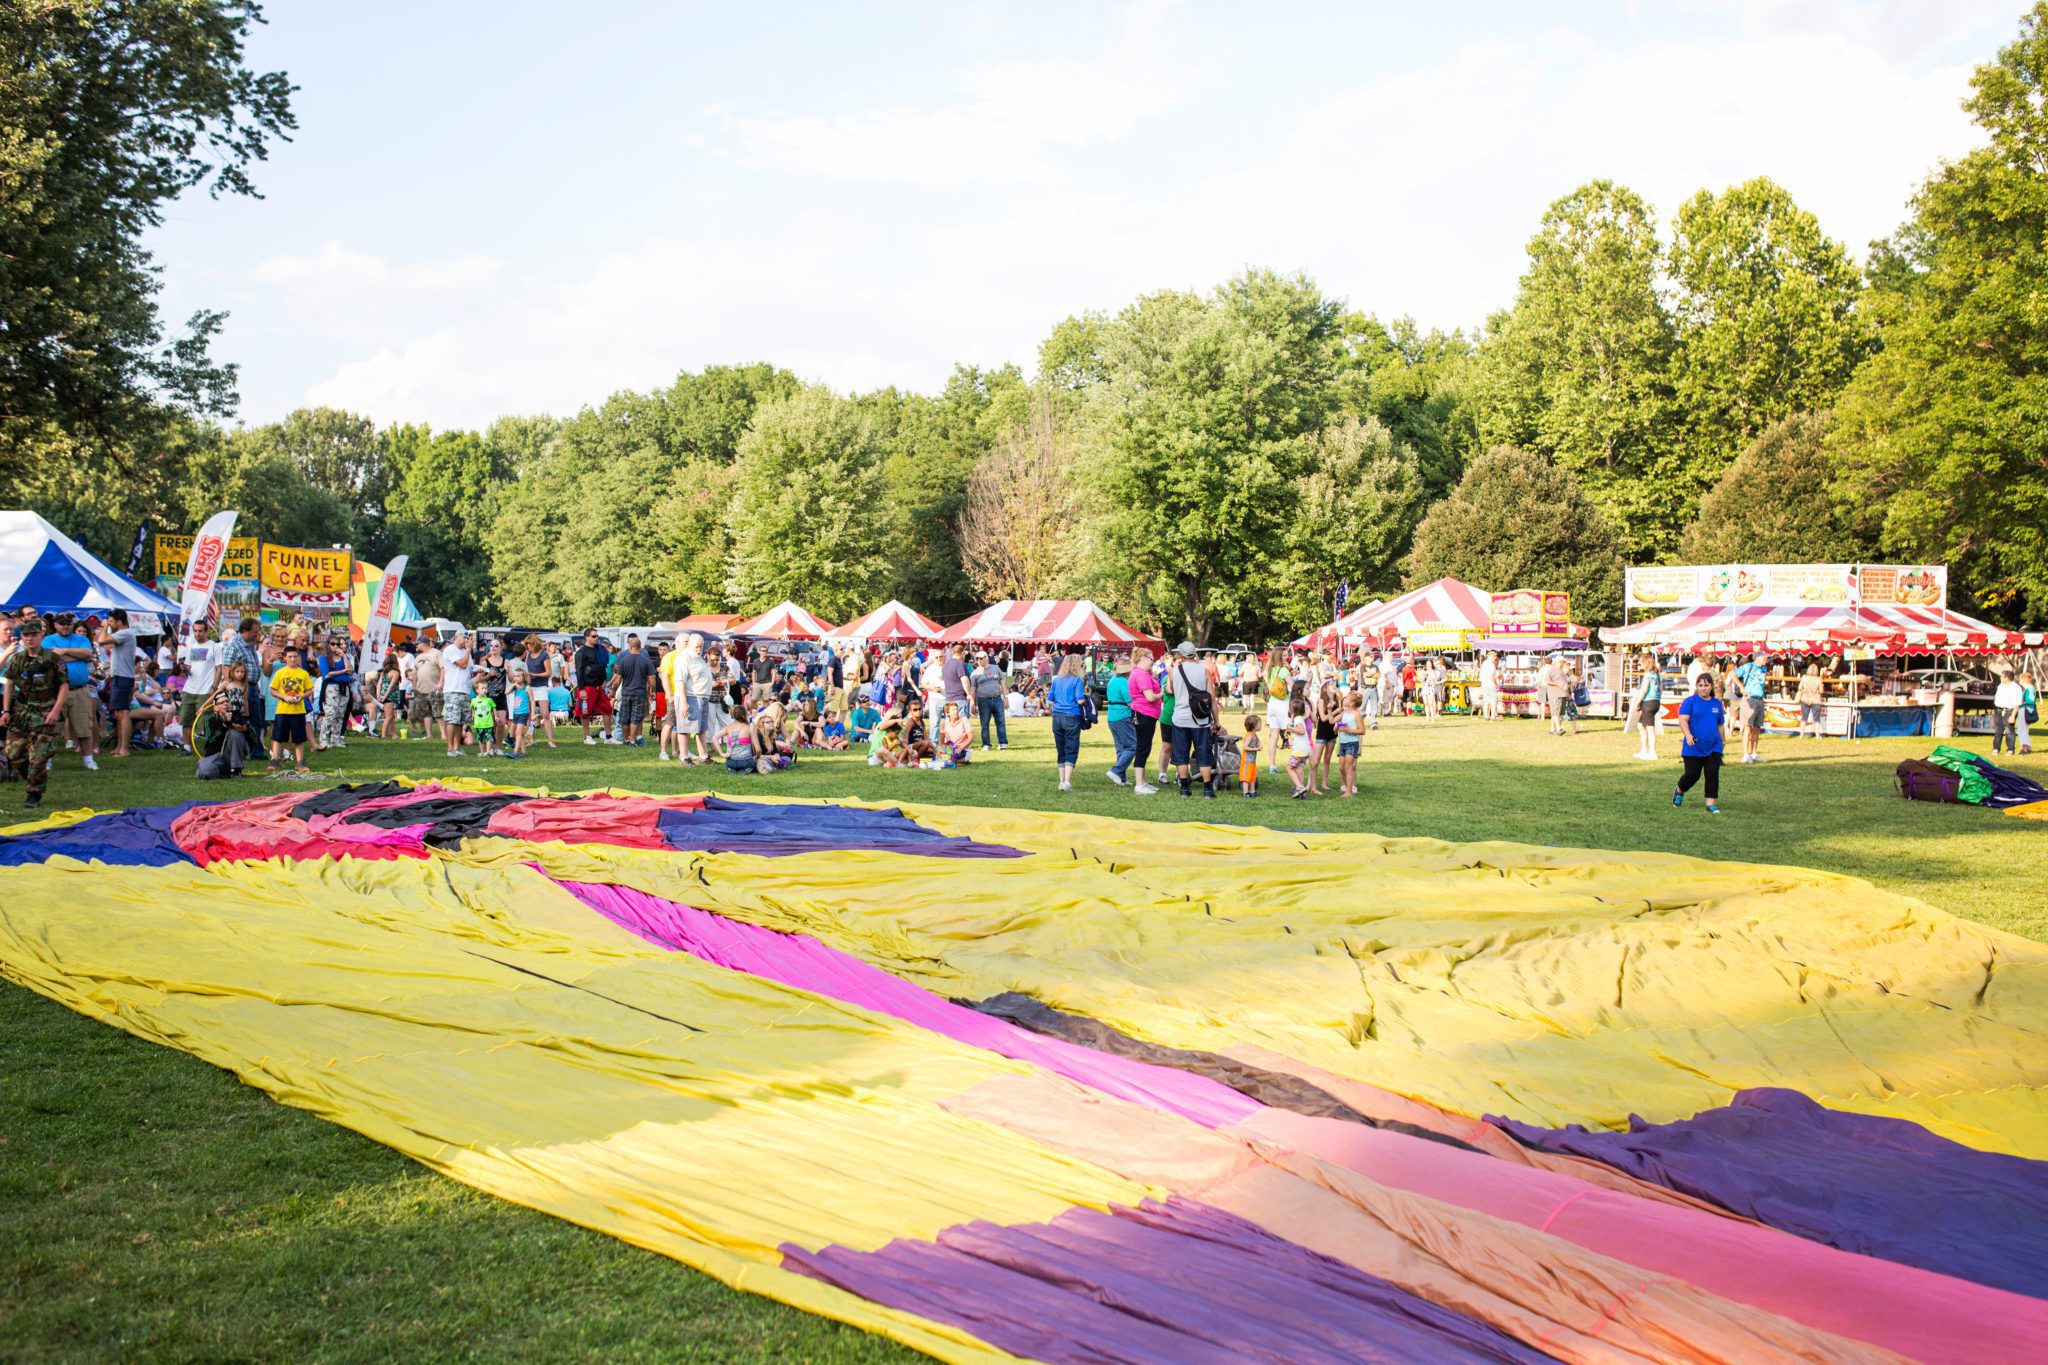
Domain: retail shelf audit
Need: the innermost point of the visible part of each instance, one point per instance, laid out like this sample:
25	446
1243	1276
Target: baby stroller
1229	758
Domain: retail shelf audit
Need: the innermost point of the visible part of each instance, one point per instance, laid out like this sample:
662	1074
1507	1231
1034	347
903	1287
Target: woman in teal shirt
1122	728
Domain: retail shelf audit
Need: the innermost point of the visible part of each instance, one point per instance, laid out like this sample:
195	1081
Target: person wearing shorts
425	710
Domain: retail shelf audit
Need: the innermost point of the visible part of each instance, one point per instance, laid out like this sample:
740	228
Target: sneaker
1146	789
588	740
1301	793
31	801
874	760
984	748
91	763
1187	787
1002	746
1713	809
1209	791
1115	777
612	742
1678	798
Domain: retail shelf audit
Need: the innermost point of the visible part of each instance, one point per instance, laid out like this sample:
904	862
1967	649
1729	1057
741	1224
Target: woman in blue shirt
1700	719
1066	694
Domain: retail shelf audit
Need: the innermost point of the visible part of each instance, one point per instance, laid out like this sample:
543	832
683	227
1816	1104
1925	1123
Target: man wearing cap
591	667
1189	741
34	685
988	700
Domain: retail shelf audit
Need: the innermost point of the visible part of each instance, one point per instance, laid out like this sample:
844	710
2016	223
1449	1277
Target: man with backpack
1189	736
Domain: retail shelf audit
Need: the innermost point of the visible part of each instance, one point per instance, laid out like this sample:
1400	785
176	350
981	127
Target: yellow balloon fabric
465	1009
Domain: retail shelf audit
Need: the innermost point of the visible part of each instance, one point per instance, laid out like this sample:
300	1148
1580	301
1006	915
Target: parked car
1956	680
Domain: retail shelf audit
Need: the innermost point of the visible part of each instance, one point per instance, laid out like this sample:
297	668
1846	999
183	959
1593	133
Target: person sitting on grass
737	741
290	685
885	743
810	724
956	734
832	731
862	723
772	748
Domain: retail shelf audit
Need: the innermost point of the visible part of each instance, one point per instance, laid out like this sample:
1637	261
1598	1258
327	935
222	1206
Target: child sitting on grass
956	736
864	720
1248	764
832	734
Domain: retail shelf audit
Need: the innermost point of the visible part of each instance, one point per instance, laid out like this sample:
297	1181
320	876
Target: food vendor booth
1063	626
1525	627
1861	623
892	623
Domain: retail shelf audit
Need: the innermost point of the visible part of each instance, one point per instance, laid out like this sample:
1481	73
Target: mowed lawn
156	1208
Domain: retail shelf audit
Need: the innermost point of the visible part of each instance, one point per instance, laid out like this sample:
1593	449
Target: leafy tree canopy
1775	504
1520	520
110	109
1938	438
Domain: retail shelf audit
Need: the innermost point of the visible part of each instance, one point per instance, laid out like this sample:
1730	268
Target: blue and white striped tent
41	567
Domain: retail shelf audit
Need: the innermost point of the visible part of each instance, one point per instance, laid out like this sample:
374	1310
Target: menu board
1674	587
1531	611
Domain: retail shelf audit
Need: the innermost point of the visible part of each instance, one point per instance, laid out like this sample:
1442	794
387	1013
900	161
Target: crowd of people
270	693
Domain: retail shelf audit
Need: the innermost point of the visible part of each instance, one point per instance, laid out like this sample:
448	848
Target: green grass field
155	1208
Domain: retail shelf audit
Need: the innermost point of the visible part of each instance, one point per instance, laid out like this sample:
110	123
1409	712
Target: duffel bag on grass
1919	780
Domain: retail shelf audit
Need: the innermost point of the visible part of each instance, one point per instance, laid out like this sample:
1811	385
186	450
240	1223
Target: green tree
932	446
342	454
808	516
1765	309
444	497
1419	387
1775	504
693	538
109	110
275	498
1519	520
1361	496
1938	438
1579	368
706	414
1196	444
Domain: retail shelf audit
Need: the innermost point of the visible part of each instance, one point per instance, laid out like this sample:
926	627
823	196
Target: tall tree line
1729	385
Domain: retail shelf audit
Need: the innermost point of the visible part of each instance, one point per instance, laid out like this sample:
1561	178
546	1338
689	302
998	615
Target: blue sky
513	208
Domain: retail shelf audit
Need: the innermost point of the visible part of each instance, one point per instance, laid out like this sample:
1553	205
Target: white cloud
1407	191
1010	122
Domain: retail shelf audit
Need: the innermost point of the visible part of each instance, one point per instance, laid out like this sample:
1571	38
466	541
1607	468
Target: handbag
1087	711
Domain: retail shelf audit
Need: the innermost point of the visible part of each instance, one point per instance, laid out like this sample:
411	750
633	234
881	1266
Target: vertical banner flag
1343	596
202	566
135	551
377	630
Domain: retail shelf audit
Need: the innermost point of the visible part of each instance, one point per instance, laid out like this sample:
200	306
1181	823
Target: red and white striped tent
1041	622
1446	602
786	622
891	623
1901	629
1339	630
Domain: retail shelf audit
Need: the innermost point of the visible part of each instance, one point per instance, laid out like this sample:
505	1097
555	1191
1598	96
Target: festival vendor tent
1343	629
1445	603
41	567
891	623
1901	629
1003	1083
785	622
708	623
1043	622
